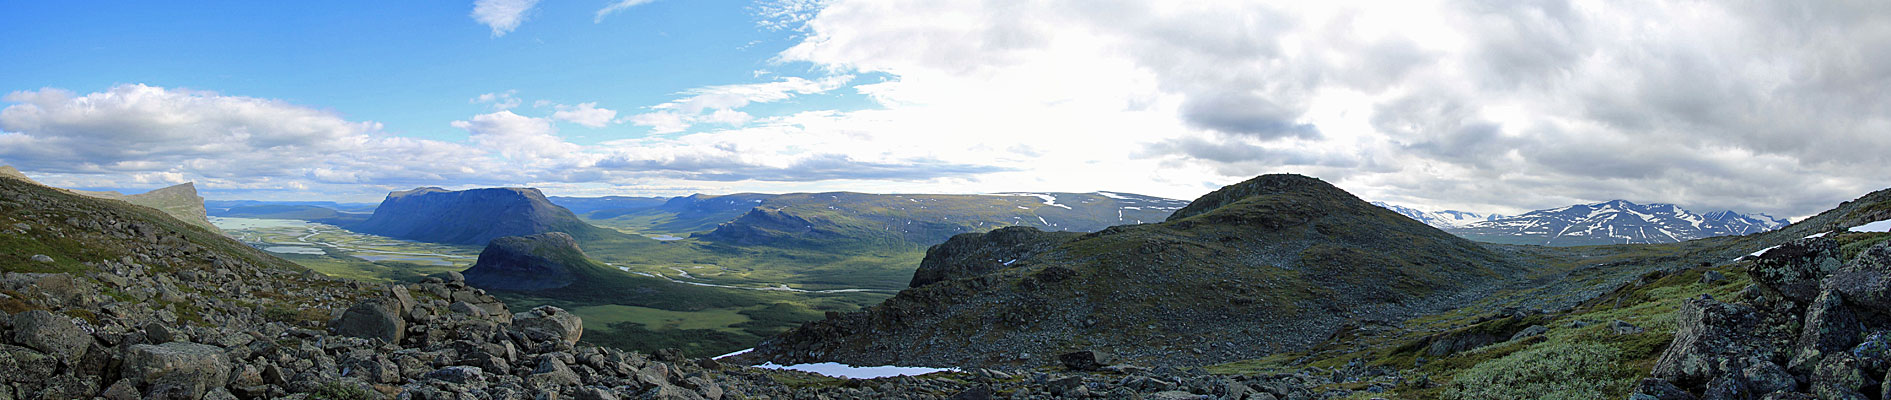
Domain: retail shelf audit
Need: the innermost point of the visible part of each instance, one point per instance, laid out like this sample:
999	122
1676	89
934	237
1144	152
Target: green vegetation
1552	371
1850	244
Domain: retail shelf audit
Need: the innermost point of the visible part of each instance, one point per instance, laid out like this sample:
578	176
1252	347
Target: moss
1853	243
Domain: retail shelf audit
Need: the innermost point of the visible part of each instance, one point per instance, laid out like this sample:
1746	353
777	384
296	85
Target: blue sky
1481	106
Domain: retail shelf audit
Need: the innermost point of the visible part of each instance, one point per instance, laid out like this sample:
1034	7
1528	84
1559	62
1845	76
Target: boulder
51	333
1866	280
1765	377
372	319
1533	330
1727	387
1086	360
1829	328
1621	327
1709	339
553	372
21	365
458	374
1657	389
1795	268
1838	377
177	369
549	323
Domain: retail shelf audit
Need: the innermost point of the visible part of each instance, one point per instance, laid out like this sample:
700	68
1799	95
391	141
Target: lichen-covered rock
1766	377
1829	328
1710	338
177	369
51	333
1838	376
1866	279
549	323
20	364
373	318
1795	268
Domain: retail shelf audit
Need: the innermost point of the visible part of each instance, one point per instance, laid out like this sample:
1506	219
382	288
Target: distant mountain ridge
1441	219
474	216
1615	222
179	201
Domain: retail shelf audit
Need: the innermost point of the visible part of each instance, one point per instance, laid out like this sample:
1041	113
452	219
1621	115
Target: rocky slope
180	201
102	300
1615	222
1272	264
473	216
841	219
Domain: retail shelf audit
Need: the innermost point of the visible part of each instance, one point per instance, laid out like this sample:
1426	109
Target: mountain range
1610	222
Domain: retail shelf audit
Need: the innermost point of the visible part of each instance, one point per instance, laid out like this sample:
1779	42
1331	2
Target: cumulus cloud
502	16
1491	105
498	100
617	6
587	114
144	131
718	104
517	137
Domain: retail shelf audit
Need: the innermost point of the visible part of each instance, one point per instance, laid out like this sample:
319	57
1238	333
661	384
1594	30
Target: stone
1709	339
549	323
1533	330
157	333
1727	387
595	393
1658	389
1829	328
1712	277
1837	374
1874	353
1064	386
976	393
553	372
458	374
124	389
187	370
1621	327
372	319
1795	268
1174	395
22	365
1086	360
1866	280
42	258
669	355
467	308
1766	377
51	333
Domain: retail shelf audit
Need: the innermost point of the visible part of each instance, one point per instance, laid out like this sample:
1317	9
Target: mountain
587	205
1273	264
474	216
526	263
918	220
179	201
1614	222
1446	219
216	207
311	213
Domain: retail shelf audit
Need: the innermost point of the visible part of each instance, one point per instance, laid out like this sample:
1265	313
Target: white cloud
502	16
154	134
520	138
718	104
587	114
498	100
617	6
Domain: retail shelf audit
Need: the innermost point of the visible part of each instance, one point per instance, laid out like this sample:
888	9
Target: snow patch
839	370
1880	226
1113	195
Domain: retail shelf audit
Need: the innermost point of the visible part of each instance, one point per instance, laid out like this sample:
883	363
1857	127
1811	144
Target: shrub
1549	371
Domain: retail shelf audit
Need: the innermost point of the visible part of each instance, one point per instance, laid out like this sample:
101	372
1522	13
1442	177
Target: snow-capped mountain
1615	222
1441	219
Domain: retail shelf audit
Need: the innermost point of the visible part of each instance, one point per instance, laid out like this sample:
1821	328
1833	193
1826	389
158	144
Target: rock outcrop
526	263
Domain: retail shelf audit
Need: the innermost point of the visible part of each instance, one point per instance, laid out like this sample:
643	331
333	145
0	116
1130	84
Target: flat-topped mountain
1615	222
473	216
1272	264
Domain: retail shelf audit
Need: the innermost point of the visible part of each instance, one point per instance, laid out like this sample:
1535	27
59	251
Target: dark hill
522	263
473	216
1277	263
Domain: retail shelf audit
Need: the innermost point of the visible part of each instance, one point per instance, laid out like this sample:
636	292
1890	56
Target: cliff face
475	216
526	263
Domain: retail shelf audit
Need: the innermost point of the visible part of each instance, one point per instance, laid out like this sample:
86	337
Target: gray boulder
1829	328
372	319
51	333
458	374
1766	377
1086	360
1657	389
549	323
1866	280
1795	268
22	365
1709	339
552	372
177	369
1533	330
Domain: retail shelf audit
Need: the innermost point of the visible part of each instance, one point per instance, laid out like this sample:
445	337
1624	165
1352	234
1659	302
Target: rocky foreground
1810	327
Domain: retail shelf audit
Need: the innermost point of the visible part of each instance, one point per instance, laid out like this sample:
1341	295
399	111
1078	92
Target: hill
1614	222
1273	264
842	219
473	216
179	201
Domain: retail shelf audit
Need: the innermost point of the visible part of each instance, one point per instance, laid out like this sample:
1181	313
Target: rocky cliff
1272	264
473	216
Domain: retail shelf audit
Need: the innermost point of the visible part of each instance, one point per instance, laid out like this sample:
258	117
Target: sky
1497	106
